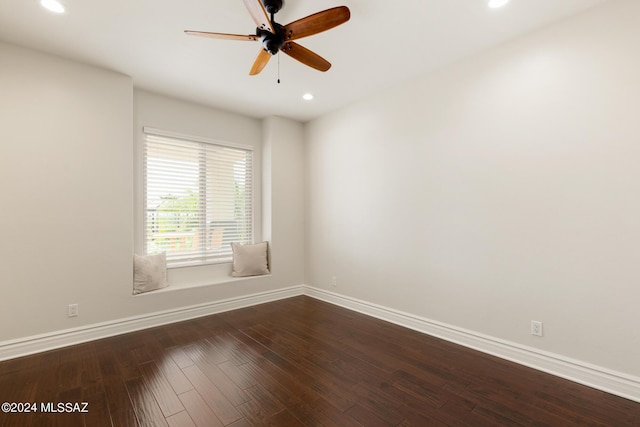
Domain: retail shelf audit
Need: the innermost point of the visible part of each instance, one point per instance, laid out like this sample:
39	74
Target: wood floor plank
424	391
229	389
181	419
19	385
378	403
180	357
287	388
230	347
297	361
219	404
71	418
253	349
268	402
454	416
120	406
47	386
98	411
334	390
165	395
253	413
366	417
146	408
173	374
242	422
238	374
284	418
198	410
203	350
322	413
127	363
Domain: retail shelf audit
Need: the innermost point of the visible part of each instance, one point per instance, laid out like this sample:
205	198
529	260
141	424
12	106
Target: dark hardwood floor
296	362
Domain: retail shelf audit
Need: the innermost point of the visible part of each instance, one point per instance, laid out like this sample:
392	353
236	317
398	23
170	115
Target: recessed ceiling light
307	97
494	4
52	5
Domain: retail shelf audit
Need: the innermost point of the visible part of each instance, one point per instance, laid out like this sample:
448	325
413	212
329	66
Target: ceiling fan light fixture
52	5
308	96
495	4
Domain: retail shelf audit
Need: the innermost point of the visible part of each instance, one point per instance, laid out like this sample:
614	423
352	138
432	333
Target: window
197	198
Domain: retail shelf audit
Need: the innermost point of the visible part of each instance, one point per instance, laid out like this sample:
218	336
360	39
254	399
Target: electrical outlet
536	328
334	281
73	310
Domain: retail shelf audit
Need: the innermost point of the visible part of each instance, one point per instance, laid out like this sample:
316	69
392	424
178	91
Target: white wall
70	134
284	196
66	173
496	191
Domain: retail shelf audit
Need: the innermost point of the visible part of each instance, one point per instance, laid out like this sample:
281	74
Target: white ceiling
384	43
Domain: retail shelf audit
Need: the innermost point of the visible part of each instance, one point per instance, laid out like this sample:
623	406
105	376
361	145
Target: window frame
255	211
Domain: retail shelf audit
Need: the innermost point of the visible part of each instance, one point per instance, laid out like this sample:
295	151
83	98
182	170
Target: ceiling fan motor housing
272	6
272	42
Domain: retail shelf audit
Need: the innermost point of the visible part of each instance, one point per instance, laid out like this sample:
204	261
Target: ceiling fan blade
221	35
306	56
317	23
261	61
259	14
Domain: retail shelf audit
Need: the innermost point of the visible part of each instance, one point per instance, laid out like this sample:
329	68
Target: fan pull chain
278	67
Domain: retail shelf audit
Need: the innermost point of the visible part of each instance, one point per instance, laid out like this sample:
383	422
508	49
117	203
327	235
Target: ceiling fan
280	38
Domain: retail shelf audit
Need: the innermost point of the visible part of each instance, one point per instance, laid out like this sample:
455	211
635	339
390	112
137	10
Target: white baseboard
607	380
49	341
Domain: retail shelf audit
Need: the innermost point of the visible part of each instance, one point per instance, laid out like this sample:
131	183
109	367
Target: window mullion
202	214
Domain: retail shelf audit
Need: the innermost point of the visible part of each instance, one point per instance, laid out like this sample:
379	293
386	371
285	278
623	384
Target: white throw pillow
149	272
250	260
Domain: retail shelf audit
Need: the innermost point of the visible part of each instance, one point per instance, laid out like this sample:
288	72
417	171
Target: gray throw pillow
149	272
250	260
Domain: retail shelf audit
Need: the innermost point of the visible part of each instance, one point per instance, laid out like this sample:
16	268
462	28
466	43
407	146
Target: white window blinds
197	198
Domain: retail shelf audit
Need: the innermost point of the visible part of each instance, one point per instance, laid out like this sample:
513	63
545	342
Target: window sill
223	281
199	264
